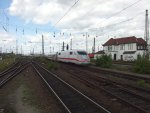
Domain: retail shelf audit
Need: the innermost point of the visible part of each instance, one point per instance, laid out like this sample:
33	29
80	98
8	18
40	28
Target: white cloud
83	16
7	42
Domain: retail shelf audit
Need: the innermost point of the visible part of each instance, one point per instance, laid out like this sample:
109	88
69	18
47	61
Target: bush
142	64
104	61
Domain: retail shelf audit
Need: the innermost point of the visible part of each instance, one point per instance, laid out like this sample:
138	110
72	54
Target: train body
73	56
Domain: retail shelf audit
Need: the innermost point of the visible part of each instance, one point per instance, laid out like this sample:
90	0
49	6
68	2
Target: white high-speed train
73	56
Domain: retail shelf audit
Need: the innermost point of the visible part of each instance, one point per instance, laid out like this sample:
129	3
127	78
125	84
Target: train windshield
82	53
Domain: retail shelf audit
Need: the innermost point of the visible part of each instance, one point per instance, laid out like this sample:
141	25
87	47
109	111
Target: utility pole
21	49
146	35
86	42
50	50
16	47
42	45
71	44
67	47
94	46
33	51
63	47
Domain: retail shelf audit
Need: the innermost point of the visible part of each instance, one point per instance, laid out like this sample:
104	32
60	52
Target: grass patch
52	65
5	63
29	99
42	60
27	96
141	83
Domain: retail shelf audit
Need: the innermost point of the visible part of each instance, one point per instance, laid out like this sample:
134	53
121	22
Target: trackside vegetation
6	62
104	61
142	65
52	65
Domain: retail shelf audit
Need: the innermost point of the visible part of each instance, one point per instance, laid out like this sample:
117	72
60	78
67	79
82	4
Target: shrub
104	61
142	64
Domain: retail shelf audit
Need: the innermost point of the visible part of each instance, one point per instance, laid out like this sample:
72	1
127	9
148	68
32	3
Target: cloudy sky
22	23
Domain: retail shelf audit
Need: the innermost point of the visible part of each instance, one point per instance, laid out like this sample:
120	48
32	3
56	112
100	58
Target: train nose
84	57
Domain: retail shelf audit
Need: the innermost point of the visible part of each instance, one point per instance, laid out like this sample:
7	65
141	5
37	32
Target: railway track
123	63
133	96
12	72
9	69
72	99
119	74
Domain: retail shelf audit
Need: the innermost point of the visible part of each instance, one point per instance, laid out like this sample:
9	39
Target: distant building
99	53
127	48
91	55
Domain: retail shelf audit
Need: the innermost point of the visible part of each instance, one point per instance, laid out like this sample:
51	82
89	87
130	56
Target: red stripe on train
74	59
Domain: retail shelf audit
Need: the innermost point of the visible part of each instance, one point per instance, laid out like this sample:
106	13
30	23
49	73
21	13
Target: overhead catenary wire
122	10
113	14
66	13
114	24
119	12
123	21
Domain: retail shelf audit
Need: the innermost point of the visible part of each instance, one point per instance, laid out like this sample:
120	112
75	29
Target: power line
95	29
123	21
122	10
66	13
106	18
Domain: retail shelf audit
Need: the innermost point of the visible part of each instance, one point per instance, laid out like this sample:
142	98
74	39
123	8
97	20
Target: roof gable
125	40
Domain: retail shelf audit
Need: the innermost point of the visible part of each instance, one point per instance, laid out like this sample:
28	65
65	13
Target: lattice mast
146	35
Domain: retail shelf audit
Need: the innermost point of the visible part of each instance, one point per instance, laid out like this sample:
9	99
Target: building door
114	56
121	57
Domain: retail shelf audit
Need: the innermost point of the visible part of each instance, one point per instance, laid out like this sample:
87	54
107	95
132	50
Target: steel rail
8	69
106	90
51	89
119	74
13	74
86	97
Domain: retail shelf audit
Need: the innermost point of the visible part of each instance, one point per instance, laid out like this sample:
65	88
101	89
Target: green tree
142	64
104	61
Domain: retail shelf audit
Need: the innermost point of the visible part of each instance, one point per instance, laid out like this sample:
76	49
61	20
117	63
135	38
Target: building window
115	48
140	47
122	47
71	53
130	46
109	48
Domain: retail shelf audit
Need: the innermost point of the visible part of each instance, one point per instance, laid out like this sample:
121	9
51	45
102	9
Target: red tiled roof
91	55
100	52
125	40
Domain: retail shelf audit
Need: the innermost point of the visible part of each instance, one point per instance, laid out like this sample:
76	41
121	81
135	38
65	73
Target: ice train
72	56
